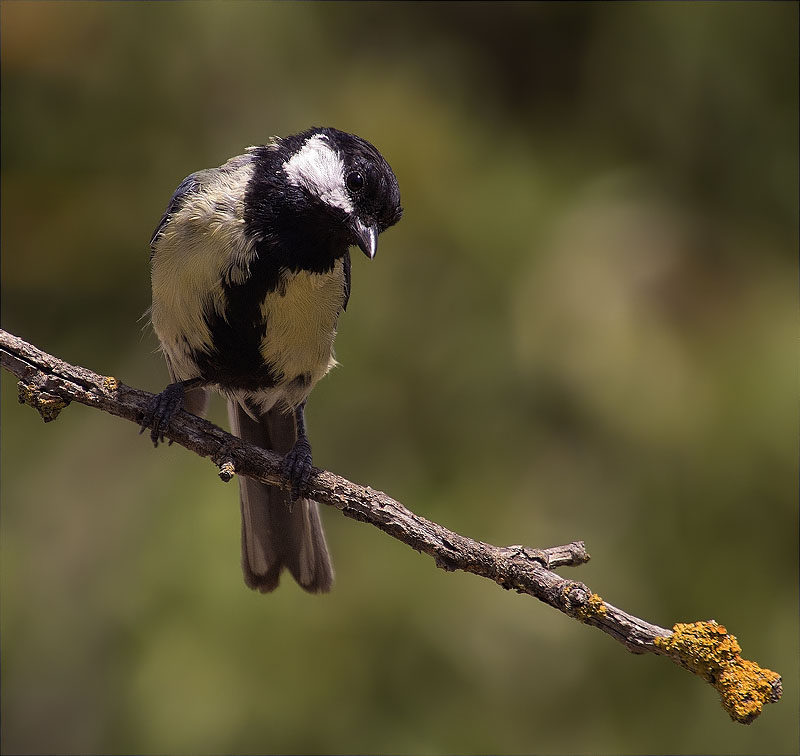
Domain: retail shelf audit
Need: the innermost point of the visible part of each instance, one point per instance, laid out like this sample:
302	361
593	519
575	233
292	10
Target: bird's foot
297	467
162	409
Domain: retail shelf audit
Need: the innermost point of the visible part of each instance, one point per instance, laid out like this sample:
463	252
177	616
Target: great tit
250	271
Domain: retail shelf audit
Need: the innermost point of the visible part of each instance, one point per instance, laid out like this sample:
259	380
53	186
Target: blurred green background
584	327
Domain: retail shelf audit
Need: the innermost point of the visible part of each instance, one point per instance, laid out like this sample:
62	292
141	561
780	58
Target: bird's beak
366	238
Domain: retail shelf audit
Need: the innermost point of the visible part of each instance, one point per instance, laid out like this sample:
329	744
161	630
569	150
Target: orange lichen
110	383
708	650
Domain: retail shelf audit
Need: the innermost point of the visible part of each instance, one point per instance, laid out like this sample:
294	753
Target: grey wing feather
189	185
273	535
192	184
195	401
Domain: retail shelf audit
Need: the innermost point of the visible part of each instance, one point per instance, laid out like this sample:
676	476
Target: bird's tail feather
196	401
275	535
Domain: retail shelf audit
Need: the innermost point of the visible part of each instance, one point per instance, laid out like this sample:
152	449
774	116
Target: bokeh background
584	327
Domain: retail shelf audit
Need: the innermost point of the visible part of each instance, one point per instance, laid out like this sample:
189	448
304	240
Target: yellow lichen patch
50	406
110	383
47	405
586	609
596	606
707	649
27	394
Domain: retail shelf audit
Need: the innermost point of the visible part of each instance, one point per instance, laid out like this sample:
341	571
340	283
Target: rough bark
49	384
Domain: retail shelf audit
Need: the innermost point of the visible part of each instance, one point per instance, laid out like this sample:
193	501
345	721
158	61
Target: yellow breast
301	317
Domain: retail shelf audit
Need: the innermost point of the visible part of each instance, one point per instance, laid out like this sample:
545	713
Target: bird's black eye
355	181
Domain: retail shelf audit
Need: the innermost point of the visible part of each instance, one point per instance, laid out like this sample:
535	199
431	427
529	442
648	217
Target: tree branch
706	648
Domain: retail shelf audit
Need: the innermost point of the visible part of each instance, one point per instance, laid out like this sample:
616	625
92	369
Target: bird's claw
162	409
297	468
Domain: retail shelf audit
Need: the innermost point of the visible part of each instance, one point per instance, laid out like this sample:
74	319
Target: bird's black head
370	184
324	190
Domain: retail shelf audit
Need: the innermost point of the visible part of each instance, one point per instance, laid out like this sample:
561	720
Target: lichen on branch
710	651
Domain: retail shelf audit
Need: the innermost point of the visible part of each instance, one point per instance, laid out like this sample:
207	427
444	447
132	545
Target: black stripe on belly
234	359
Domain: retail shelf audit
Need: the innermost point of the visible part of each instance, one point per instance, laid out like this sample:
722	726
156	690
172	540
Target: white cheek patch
317	167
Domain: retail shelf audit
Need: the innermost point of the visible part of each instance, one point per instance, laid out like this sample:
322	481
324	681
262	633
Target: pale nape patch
318	168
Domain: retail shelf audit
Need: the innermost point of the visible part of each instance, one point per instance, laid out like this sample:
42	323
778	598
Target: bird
250	271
